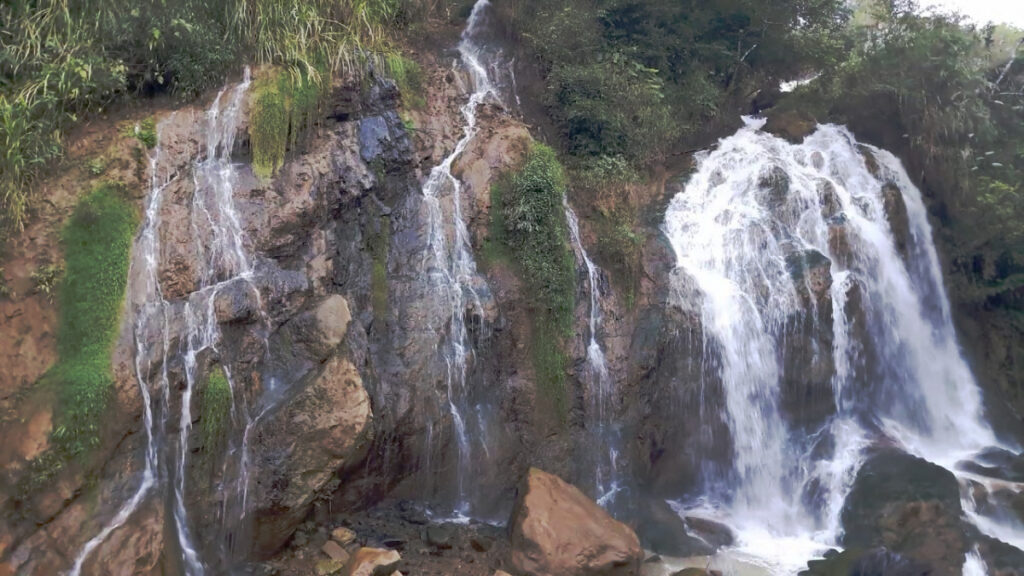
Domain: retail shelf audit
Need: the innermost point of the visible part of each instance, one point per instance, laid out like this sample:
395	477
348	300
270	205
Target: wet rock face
556	529
910	507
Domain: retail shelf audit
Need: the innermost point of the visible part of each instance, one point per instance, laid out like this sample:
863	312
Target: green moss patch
408	76
214	420
97	248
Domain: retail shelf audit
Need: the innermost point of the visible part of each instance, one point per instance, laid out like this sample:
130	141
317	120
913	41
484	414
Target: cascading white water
221	250
754	206
222	255
603	437
452	267
147	249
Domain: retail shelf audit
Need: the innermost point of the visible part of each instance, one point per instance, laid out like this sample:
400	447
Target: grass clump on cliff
529	210
215	419
283	106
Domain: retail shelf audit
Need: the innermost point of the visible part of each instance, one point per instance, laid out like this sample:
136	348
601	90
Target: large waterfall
772	238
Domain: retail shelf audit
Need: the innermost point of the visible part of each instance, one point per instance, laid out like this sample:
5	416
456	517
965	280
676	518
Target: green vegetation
97	247
530	222
46	278
61	59
632	79
283	107
408	76
214	420
144	132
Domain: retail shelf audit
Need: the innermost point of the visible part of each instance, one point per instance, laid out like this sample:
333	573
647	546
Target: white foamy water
756	205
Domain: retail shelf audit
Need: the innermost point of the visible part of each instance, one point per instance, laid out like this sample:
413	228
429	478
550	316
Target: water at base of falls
773	237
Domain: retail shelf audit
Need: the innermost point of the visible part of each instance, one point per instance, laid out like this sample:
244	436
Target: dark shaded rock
790	125
236	301
662	531
714	533
996	463
774	185
909	506
874	562
438	536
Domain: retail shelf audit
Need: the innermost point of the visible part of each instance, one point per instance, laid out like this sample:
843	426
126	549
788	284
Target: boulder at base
558	531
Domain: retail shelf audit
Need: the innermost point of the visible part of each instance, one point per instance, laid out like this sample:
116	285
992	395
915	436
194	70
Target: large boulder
323	430
910	507
557	530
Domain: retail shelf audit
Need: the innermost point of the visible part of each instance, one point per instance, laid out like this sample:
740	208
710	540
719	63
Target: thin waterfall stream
452	267
602	432
222	252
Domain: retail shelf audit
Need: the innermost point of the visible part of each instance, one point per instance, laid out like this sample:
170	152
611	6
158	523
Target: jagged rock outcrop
556	529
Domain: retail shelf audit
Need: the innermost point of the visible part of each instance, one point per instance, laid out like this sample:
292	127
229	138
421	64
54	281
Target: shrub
46	278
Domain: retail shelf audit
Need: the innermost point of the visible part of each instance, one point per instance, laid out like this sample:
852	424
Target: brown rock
501	573
343	536
896	214
323	430
335	551
556	529
791	125
372	562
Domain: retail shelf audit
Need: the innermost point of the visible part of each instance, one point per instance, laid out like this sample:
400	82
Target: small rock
480	543
343	536
335	551
438	537
328	567
501	573
372	562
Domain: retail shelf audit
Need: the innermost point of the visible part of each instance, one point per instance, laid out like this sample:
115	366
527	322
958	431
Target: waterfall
221	252
452	268
603	438
776	236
